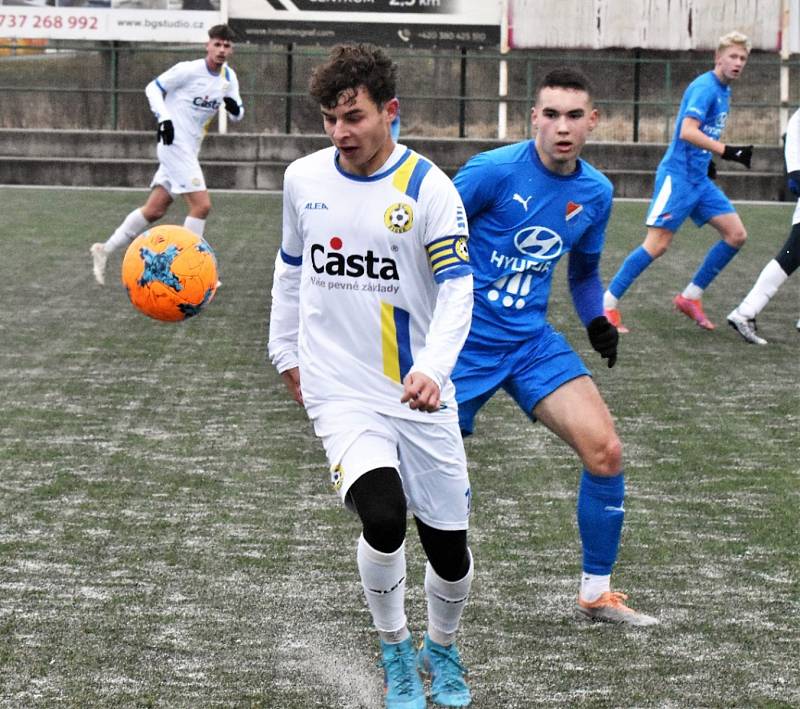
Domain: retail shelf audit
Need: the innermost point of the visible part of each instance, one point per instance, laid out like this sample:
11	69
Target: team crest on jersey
337	477
461	249
399	218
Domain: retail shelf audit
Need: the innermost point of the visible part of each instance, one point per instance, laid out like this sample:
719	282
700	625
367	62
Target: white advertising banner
411	23
94	22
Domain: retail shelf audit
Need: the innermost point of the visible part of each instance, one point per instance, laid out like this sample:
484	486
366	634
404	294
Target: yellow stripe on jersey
445	252
396	340
403	174
391	357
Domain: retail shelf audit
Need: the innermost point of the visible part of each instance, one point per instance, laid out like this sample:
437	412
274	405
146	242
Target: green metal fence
99	86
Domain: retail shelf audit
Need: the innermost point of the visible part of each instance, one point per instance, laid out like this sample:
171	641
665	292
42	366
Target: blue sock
638	260
718	256
600	516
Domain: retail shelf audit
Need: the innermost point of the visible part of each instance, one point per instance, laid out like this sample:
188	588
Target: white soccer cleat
611	608
745	327
99	258
798	325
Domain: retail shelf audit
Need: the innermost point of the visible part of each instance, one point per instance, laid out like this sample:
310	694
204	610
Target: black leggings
789	256
380	502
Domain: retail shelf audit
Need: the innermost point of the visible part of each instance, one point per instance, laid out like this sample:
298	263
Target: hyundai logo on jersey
538	242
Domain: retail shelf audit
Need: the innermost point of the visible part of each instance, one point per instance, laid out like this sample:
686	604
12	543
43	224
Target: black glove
712	170
165	133
231	106
739	153
794	182
604	338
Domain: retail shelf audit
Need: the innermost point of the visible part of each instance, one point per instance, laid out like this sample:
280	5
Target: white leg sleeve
384	579
195	225
446	603
771	278
133	225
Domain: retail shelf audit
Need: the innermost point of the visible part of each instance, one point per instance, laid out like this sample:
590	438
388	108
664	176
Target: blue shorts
675	198
528	371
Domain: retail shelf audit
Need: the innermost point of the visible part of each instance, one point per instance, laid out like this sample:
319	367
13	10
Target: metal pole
637	55
289	81
462	107
502	80
114	68
784	70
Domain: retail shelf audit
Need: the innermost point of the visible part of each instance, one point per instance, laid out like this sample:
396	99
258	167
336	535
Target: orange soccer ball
170	273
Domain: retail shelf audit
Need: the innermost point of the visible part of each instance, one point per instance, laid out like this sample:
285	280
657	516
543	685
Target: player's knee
384	526
658	250
606	458
736	237
446	550
380	503
154	212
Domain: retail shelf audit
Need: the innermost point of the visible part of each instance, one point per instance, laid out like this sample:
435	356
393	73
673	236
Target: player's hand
421	392
604	338
794	182
165	133
712	170
742	154
231	106
291	378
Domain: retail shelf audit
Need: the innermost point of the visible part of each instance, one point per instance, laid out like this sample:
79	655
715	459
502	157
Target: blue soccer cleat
443	664
402	685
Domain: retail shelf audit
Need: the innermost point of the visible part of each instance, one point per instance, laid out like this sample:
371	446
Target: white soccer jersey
189	95
362	258
791	153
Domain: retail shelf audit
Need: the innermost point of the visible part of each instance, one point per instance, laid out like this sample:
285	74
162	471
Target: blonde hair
732	38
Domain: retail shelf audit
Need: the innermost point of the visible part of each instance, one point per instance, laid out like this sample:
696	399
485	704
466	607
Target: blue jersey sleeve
697	103
476	183
583	272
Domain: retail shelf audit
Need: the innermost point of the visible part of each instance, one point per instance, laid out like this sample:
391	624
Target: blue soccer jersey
522	219
706	99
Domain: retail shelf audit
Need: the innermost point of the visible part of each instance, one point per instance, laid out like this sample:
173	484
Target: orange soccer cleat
611	608
692	309
615	318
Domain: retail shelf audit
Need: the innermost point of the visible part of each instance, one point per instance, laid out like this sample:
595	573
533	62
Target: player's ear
594	118
534	117
392	108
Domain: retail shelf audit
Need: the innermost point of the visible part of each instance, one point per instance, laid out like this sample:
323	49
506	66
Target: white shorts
429	456
178	170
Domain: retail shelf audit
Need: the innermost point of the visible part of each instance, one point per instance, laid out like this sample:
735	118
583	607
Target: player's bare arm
691	133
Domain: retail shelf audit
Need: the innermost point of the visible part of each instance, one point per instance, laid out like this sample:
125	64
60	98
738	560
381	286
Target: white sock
384	579
769	280
609	301
133	225
693	292
594	585
446	602
195	225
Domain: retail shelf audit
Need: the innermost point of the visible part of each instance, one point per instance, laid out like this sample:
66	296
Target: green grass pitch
168	537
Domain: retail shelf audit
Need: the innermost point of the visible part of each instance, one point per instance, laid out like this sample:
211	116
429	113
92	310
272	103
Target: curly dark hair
566	78
350	66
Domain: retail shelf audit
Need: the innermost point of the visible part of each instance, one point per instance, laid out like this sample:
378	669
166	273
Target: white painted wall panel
650	24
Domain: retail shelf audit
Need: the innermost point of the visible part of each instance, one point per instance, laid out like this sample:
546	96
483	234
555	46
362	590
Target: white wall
649	24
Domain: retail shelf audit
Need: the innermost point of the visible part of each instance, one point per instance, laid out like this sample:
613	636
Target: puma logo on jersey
524	202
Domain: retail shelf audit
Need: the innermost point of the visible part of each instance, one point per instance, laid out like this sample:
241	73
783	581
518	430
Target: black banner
384	34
